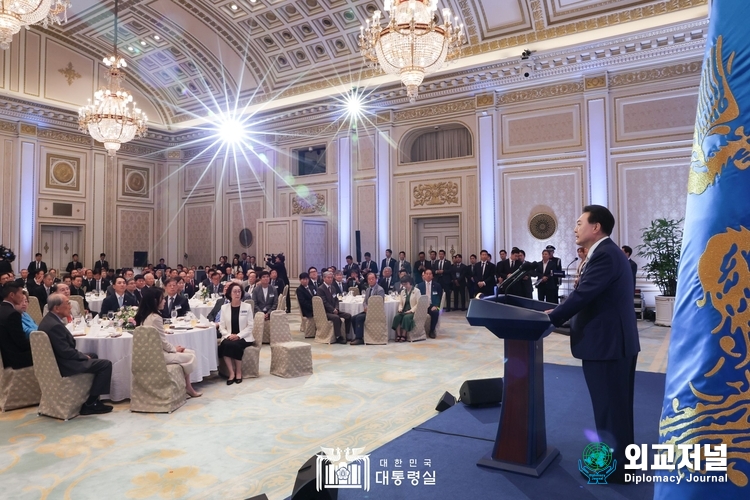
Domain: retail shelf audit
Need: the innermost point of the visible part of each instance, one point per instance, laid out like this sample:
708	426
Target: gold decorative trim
383	117
27	129
57	135
655	74
174	155
8	126
556	90
485	100
69	73
137	150
595	82
313	204
440	193
434	110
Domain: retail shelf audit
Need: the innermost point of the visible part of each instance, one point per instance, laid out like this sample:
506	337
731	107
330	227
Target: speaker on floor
262	496
359	247
304	486
140	259
484	391
446	401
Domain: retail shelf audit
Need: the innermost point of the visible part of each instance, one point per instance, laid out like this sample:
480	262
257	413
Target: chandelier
412	44
112	118
15	14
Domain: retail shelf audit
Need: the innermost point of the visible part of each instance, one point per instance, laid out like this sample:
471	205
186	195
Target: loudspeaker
304	485
482	391
262	496
140	259
446	401
359	248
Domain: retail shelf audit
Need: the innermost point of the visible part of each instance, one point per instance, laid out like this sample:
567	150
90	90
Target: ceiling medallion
111	119
412	44
17	14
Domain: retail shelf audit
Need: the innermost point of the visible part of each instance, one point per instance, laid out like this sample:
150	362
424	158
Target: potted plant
662	244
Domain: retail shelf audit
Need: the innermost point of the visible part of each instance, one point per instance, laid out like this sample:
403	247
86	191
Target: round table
95	301
355	305
198	308
119	351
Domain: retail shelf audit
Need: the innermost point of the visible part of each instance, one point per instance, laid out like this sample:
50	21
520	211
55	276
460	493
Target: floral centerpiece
203	293
126	315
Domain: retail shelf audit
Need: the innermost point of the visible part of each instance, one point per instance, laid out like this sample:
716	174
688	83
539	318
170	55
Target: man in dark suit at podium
603	332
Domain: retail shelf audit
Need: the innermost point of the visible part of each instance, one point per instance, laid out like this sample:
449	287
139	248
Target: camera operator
276	263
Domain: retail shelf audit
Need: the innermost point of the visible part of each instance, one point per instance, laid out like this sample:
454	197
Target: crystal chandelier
112	118
412	44
15	14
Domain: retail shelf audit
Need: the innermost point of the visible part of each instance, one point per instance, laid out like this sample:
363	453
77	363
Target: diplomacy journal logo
597	463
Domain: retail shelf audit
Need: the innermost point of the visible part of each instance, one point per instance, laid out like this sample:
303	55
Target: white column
269	184
488	205
173	246
27	208
345	198
97	233
597	136
383	189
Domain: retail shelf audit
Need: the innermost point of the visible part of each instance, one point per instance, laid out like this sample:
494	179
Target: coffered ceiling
186	55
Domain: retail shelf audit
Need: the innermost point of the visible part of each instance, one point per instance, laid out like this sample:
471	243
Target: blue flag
707	394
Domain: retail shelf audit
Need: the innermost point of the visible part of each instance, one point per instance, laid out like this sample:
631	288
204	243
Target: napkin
203	321
95	329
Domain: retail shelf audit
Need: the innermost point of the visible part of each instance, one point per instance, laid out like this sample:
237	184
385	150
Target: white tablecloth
197	307
95	303
119	351
356	305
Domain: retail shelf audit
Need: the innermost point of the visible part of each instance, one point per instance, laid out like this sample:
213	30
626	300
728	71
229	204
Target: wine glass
111	315
89	317
173	315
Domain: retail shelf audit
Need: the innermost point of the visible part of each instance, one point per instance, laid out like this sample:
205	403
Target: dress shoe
238	380
95	409
231	381
431	335
195	394
357	342
447	309
340	340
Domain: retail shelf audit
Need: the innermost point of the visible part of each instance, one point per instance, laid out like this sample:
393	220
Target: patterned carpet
247	439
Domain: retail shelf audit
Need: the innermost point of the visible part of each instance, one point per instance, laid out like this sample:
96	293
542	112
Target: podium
521	442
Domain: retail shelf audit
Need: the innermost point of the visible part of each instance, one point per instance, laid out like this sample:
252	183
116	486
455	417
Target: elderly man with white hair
75	309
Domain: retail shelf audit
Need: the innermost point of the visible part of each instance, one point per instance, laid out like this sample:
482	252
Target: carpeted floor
247	439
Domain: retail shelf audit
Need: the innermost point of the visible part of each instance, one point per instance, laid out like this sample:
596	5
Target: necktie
483	269
441	265
387	283
428	288
119	299
171	303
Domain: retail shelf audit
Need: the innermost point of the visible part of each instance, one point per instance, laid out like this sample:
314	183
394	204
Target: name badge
270	295
177	308
243	312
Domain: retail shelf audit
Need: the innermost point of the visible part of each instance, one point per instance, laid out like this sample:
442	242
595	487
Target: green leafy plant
662	244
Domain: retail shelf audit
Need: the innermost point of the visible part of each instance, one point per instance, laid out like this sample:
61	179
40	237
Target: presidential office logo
333	472
597	463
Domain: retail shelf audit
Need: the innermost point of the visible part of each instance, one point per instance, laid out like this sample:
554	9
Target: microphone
571	263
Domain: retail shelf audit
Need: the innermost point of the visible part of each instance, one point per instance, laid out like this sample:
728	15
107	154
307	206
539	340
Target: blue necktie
119	299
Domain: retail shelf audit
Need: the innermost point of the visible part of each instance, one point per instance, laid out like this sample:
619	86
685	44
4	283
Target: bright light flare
354	103
231	131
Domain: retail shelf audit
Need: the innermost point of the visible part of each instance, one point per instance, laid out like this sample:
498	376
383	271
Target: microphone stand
570	286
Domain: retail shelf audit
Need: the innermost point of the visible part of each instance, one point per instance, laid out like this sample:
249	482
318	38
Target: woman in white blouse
403	322
152	301
236	328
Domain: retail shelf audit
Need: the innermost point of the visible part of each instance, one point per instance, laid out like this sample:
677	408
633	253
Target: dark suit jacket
634	270
372	267
502	268
339	289
389	263
458	274
180	305
14	346
312	287
437	292
488	277
522	287
267	304
406	266
445	278
73	265
101	265
91	285
40	292
330	301
220	288
419	267
74	290
390	286
110	303
32	267
215	310
551	283
69	360
349	268
191	289
305	301
603	324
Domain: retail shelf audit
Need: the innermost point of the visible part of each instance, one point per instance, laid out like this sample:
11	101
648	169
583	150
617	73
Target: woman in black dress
236	328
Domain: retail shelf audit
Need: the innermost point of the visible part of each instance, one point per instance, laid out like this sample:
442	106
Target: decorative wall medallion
485	100
69	73
595	82
135	181
27	129
441	193
62	172
542	226
313	204
246	238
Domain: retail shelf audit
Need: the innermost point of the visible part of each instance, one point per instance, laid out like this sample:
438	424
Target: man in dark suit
388	262
484	274
633	266
265	296
350	266
190	284
387	282
101	265
313	282
547	283
402	263
15	348
522	287
603	331
304	297
174	301
216	286
161	265
331	303
502	268
76	288
118	300
99	283
442	274
556	260
420	267
339	285
43	291
74	264
359	319
458	281
435	293
37	264
72	362
368	265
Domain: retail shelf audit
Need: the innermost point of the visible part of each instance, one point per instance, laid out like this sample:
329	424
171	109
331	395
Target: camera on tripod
271	257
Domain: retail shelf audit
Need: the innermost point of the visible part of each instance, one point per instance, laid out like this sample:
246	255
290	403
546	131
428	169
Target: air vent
62	209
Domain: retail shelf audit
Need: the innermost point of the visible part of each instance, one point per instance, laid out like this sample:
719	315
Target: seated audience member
363	281
252	279
331	303
118	299
140	287
98	283
75	309
236	328
275	282
72	362
304	297
24	279
29	325
339	285
150	280
77	288
359	319
130	289
216	286
5	278
353	281
387	282
403	321
435	293
397	286
15	348
266	297
148	315
174	301
191	286
313	282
